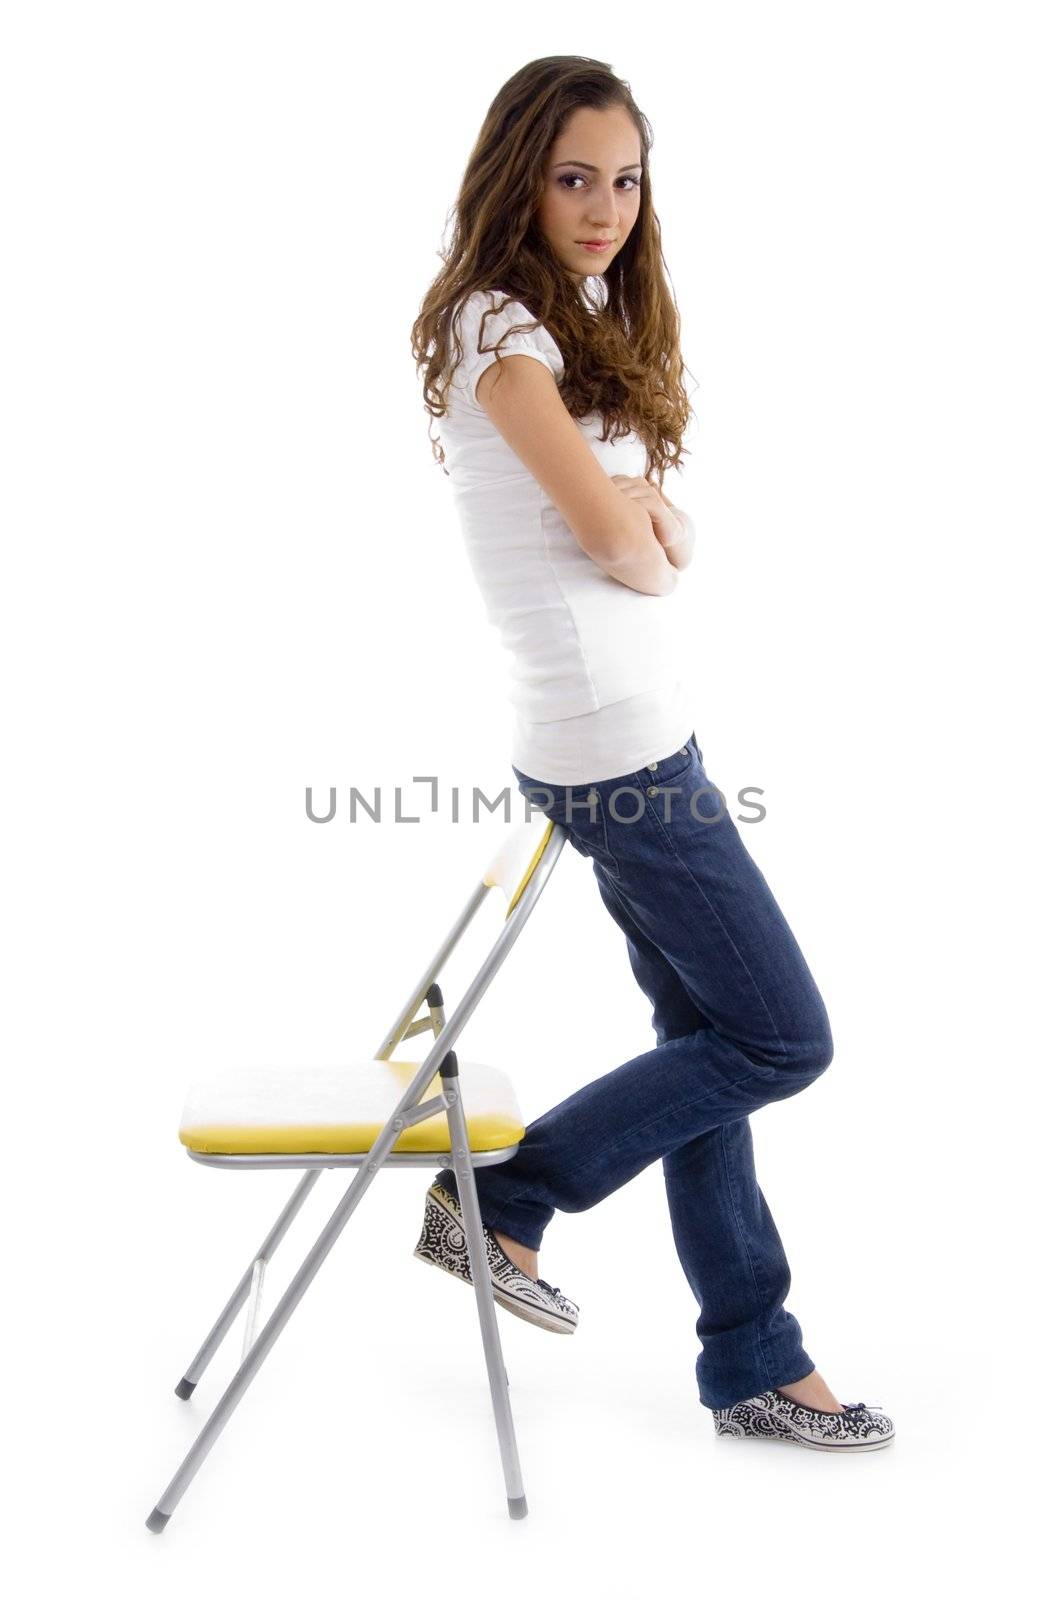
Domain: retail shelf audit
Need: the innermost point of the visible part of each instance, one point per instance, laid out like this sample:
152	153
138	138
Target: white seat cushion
340	1110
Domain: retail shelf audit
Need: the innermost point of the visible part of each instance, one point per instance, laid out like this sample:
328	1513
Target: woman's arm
522	400
673	528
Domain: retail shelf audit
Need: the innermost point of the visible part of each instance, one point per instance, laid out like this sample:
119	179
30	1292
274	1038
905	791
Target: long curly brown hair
622	357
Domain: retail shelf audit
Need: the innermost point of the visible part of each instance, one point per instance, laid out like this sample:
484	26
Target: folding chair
319	1118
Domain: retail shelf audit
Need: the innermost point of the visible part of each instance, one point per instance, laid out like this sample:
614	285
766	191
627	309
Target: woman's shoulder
483	298
504	312
487	318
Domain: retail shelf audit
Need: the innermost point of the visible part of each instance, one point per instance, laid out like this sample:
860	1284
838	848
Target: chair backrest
521	863
515	859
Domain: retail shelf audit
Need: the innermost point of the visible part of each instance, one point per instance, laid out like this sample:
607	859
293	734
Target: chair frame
460	1159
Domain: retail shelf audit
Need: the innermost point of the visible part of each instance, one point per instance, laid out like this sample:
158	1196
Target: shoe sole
808	1444
785	1436
864	1444
517	1308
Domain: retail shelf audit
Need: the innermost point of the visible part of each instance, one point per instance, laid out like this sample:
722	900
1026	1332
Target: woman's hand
673	529
667	526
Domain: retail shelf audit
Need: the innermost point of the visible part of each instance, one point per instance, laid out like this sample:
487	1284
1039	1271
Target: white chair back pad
517	854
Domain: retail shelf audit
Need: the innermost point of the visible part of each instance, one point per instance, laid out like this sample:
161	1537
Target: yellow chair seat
340	1110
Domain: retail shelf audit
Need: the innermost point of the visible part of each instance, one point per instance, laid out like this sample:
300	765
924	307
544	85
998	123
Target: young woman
550	347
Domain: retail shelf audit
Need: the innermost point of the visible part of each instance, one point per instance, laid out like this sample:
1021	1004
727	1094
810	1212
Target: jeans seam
749	1259
611	858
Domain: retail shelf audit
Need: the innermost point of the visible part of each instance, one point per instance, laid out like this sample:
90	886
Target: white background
231	569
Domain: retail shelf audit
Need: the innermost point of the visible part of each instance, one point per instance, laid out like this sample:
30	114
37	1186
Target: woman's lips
598	245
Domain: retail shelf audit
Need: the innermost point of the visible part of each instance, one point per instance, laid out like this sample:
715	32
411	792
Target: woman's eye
628	178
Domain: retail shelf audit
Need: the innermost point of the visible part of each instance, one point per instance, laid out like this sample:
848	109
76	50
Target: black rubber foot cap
158	1520
184	1389
518	1507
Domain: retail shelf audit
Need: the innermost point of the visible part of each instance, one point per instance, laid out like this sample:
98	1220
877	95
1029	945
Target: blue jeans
739	1023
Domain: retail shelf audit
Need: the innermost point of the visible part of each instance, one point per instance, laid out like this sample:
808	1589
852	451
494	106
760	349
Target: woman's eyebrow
590	168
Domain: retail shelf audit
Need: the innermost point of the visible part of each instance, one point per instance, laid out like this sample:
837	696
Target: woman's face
591	188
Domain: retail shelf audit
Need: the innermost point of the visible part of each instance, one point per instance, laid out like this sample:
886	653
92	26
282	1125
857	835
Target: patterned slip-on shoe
773	1416
443	1244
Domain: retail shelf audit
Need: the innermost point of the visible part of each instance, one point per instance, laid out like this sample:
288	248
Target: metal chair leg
200	1361
489	1326
262	1346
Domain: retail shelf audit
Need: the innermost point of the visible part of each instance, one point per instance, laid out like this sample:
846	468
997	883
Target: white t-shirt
594	679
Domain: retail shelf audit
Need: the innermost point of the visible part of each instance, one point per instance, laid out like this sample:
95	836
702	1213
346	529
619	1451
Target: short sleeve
508	324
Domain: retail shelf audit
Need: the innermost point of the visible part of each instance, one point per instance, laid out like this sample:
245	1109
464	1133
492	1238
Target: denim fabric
739	1023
